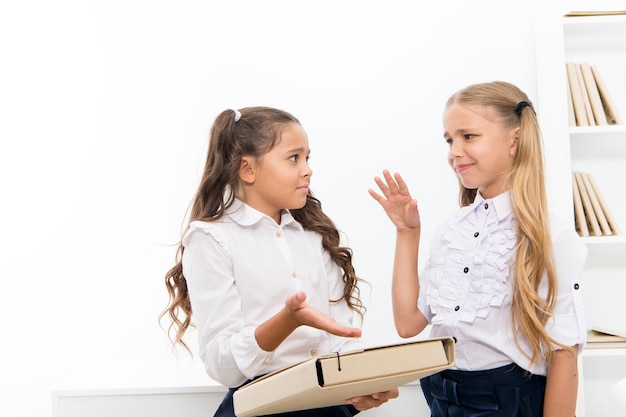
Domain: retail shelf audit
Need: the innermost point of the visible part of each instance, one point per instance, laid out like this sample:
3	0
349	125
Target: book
597	108
586	101
612	115
579	213
597	339
597	208
611	329
590	216
331	379
578	13
577	97
605	209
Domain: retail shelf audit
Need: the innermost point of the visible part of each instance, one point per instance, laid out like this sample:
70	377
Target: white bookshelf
600	151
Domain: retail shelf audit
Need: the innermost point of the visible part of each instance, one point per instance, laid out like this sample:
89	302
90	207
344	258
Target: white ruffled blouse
467	284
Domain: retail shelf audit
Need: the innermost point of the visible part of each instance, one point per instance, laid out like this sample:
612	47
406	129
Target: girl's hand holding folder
370	401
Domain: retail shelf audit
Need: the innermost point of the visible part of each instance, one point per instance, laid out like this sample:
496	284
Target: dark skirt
508	391
226	409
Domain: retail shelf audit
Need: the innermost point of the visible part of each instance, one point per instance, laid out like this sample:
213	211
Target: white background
105	109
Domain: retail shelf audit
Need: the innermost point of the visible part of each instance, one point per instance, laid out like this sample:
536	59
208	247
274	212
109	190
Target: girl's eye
469	136
295	158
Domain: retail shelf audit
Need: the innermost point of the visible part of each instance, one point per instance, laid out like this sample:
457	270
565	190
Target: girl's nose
455	150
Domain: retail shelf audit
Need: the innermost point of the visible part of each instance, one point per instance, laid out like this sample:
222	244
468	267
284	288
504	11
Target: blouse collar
245	215
501	203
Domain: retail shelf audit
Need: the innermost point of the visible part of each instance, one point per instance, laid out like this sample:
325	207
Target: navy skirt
226	409
508	391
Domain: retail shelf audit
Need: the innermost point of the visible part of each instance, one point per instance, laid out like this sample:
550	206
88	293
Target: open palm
303	313
397	202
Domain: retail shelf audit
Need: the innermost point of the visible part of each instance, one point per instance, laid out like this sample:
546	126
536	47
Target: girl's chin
468	184
298	205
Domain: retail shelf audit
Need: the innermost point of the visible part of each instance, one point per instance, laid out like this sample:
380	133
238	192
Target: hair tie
520	106
237	115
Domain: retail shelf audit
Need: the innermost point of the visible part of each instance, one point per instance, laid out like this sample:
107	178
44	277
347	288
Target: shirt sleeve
568	325
227	347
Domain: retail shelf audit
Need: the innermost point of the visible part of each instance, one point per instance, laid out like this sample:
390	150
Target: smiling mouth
462	168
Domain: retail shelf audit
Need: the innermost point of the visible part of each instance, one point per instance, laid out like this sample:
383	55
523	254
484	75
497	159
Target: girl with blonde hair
503	275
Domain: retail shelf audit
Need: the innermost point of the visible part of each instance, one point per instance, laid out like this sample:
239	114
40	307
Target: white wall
106	108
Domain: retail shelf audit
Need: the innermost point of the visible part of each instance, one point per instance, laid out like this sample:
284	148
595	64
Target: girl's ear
515	135
247	170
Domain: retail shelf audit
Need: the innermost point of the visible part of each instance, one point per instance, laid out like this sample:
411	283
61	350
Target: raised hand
397	201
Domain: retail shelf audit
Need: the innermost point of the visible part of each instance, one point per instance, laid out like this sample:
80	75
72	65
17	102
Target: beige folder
332	379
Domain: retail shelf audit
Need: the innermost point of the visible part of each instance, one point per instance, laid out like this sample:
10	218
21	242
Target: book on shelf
595	101
580	13
591	213
598	339
609	106
332	379
586	101
579	212
597	208
577	95
603	206
591	102
590	216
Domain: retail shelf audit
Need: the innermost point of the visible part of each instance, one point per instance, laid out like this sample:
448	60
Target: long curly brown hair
255	132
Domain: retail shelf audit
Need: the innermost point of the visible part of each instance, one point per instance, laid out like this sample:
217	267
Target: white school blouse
239	272
467	283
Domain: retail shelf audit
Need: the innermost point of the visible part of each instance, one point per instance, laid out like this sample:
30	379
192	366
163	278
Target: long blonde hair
534	255
252	131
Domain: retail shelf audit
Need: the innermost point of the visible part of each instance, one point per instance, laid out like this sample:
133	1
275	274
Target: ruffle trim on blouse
207	228
447	283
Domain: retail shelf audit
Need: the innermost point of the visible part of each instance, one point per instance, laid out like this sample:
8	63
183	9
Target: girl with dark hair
260	268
